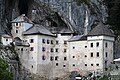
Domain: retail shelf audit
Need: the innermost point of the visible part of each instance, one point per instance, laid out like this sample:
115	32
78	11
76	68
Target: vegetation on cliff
4	73
113	15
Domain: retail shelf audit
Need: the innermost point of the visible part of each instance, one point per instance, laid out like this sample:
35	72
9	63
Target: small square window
106	54
51	41
97	54
32	49
73	64
85	55
21	49
73	56
97	64
56	50
91	44
51	50
85	64
64	65
43	40
106	45
65	50
65	58
6	39
51	58
32	66
31	40
91	54
19	24
65	42
43	49
85	46
106	69
16	24
16	31
73	47
43	57
56	64
91	64
97	44
48	42
57	42
56	58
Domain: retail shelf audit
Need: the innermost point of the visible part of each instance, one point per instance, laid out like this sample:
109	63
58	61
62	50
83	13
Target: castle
51	53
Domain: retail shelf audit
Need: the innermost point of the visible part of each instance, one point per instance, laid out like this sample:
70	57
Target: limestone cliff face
75	14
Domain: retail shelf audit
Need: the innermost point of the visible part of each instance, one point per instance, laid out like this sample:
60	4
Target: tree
104	78
4	73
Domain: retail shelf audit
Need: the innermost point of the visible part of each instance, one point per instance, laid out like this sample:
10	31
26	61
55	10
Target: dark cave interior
23	6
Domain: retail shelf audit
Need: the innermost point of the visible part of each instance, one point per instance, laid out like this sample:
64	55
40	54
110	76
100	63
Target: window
73	47
106	45
48	42
56	64
51	50
97	54
85	46
56	50
43	57
19	24
56	58
32	66
106	54
106	69
73	56
16	24
91	44
91	54
65	42
16	31
51	41
21	49
85	55
65	50
97	64
6	39
65	58
43	49
57	42
43	40
31	40
73	64
51	58
31	49
91	64
97	44
64	65
85	64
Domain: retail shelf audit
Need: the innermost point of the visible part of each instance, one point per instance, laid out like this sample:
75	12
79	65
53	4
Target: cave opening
23	6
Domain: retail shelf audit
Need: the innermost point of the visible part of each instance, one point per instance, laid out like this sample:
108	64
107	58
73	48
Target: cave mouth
23	6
